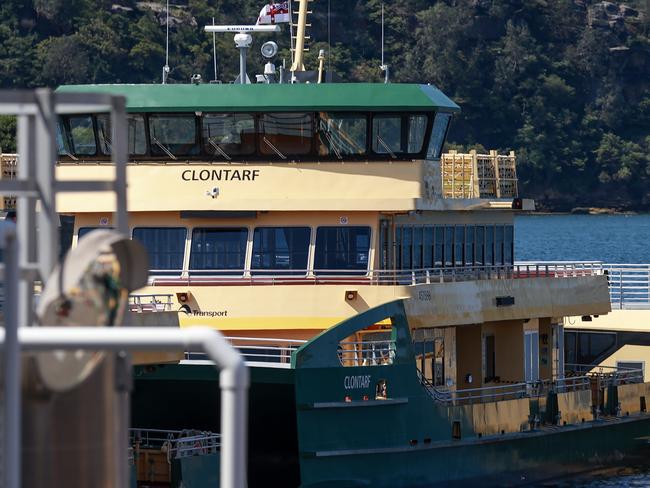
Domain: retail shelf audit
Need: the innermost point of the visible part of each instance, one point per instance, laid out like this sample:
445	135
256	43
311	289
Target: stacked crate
8	168
473	175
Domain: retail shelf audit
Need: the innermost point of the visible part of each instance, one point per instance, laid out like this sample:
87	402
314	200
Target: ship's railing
155	302
257	351
508	391
245	277
629	285
607	375
367	353
176	443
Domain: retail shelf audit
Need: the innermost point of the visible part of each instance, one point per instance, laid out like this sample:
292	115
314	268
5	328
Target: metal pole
48	220
11	360
119	153
26	217
234	376
242	65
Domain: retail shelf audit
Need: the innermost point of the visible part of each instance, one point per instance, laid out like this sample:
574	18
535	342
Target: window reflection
341	134
232	134
165	246
280	249
82	135
440	124
417	129
218	251
342	248
175	134
386	134
286	134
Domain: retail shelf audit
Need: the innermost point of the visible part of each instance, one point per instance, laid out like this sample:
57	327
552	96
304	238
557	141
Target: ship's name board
353	382
220	174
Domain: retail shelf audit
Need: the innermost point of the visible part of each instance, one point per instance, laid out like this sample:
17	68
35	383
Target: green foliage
7	134
569	94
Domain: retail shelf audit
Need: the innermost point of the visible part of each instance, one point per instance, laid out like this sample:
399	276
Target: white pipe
11	358
233	378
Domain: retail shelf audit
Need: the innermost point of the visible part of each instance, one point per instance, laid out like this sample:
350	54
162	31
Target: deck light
351	295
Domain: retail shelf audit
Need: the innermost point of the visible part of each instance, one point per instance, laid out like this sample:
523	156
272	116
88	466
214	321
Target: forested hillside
565	83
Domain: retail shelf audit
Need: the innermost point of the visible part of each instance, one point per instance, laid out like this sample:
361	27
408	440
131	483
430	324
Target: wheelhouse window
218	251
165	246
417	127
137	138
342	249
286	134
280	250
398	134
62	142
173	135
438	132
227	135
82	135
386	134
341	134
104	134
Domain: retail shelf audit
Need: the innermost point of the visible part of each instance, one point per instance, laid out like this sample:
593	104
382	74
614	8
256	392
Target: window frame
289	272
325	272
171	271
224	272
404	116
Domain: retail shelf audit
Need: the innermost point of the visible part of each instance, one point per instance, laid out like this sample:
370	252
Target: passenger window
173	135
165	247
82	135
232	134
286	134
508	246
438	132
374	346
342	249
498	245
280	250
386	134
341	134
218	251
439	257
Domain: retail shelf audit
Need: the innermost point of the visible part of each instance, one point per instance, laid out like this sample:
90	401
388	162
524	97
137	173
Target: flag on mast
274	13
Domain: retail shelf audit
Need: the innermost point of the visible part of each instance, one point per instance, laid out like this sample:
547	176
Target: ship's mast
299	49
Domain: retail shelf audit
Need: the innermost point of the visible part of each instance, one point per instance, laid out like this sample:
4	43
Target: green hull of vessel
318	424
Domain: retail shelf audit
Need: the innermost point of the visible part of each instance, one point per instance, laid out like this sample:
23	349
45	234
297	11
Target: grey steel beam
119	154
234	378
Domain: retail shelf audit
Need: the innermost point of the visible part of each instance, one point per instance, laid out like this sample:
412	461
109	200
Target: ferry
368	279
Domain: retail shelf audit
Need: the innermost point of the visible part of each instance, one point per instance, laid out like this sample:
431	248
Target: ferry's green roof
266	98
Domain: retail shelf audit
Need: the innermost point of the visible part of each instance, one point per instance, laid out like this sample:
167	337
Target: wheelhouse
324	125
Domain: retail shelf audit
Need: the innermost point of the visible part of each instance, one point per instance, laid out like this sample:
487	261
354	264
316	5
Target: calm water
607	238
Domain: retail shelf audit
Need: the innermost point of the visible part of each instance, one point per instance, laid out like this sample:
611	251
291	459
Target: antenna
165	71
214	52
384	66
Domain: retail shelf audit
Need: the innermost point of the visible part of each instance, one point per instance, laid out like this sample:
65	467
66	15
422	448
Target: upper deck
271	147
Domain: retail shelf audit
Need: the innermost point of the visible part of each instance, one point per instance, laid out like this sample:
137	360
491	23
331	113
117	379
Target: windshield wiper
275	149
218	149
381	141
107	142
164	149
328	136
70	155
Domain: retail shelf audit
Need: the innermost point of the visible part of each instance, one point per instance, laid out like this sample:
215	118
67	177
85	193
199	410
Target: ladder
299	36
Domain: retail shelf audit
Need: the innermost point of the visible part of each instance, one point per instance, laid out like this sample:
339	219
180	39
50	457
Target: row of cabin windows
275	250
436	246
232	136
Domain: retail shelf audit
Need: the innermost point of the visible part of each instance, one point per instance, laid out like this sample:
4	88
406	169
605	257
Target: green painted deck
276	98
